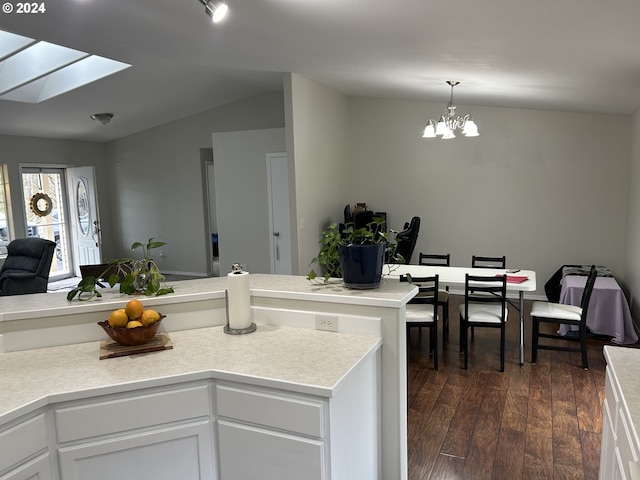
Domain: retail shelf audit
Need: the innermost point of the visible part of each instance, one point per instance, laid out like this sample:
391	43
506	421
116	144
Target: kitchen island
620	449
279	302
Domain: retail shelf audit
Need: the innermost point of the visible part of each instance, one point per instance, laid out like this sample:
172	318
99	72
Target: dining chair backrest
586	294
486	289
434	260
427	288
478	261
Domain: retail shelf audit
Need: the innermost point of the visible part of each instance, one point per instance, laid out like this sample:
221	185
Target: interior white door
84	216
279	222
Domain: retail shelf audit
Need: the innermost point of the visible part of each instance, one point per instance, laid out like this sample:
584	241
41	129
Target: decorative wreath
34	203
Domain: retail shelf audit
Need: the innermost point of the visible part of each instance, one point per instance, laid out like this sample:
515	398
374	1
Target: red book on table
515	278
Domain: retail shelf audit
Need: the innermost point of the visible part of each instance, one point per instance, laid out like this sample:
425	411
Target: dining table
518	281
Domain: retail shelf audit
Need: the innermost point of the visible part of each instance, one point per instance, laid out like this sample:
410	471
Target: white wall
543	188
632	247
157	180
317	142
240	165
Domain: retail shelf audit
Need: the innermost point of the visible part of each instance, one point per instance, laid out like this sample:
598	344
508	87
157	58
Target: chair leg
583	346
464	341
434	335
460	336
535	330
445	314
502	334
431	340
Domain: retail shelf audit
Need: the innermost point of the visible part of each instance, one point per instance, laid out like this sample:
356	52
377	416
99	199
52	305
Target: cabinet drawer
124	414
611	398
292	414
22	441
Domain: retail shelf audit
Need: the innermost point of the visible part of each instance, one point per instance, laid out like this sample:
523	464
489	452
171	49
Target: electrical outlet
162	255
327	322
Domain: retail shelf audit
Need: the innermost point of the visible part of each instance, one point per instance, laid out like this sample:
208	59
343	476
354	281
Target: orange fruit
133	308
134	324
149	317
118	318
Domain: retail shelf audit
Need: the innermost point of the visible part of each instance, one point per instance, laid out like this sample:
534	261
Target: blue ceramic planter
362	265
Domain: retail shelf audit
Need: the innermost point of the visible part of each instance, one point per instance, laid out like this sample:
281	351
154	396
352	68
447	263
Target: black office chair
568	314
436	260
407	239
478	261
485	305
422	311
26	268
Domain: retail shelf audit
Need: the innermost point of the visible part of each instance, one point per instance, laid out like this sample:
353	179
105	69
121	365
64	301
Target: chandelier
447	125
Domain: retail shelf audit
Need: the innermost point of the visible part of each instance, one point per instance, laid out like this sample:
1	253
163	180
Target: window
4	212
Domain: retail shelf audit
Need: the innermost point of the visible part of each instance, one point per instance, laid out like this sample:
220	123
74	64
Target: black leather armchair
26	268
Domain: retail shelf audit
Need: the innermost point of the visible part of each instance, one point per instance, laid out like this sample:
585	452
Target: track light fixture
447	125
216	9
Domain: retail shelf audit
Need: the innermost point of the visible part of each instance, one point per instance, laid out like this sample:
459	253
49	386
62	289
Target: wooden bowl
131	336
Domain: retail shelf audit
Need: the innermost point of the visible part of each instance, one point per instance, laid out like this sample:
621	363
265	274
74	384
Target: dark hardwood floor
538	421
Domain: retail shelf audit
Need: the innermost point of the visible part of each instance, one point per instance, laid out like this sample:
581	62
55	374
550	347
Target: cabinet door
183	452
250	453
36	469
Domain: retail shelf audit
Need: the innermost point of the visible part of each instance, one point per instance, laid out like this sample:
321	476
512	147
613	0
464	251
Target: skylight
33	71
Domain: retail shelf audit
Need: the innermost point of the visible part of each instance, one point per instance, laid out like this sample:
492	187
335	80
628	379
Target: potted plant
135	276
355	254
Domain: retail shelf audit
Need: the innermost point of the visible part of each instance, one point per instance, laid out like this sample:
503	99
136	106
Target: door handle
276	234
97	233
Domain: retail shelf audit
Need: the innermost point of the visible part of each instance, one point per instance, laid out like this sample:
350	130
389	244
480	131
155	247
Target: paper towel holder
235	331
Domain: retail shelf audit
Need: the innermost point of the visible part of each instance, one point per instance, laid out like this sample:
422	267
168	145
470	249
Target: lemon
133	309
118	318
134	324
149	317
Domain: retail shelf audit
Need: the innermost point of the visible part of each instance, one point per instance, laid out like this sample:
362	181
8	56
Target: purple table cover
608	310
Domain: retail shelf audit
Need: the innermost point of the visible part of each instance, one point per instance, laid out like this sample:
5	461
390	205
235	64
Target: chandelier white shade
448	123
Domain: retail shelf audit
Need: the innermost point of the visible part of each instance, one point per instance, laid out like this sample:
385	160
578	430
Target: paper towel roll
239	300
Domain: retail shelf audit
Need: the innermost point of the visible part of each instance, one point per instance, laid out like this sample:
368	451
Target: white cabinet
183	452
35	469
164	434
24	451
270	434
267	434
619	446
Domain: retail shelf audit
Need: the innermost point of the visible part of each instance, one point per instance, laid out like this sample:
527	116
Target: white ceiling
575	55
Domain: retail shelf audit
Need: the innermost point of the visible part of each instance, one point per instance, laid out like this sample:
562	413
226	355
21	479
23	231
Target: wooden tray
111	349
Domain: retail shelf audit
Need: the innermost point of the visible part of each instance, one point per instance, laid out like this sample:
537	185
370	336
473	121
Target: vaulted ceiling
572	55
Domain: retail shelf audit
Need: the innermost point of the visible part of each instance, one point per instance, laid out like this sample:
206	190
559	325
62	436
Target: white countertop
298	359
625	367
389	294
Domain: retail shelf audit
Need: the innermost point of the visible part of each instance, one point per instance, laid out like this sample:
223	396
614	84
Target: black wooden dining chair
478	261
485	305
439	260
568	314
422	310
